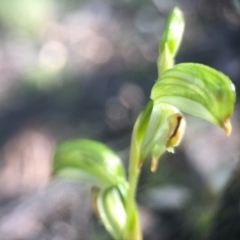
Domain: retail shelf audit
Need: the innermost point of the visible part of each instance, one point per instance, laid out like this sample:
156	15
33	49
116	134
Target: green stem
133	231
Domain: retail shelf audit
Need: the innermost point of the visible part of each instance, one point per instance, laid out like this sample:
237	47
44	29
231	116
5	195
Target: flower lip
177	124
179	118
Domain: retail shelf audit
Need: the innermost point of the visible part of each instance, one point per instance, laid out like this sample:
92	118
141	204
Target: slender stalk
133	231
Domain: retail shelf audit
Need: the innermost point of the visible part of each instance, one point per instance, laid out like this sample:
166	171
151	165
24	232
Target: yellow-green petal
198	90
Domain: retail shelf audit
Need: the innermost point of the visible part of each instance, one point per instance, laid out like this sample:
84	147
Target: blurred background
84	69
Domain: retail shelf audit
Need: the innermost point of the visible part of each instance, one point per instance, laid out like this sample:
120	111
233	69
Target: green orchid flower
187	87
192	88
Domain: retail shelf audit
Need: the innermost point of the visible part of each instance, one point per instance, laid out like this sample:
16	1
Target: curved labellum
198	90
89	161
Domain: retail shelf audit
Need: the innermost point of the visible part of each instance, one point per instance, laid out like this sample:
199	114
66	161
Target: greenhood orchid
188	87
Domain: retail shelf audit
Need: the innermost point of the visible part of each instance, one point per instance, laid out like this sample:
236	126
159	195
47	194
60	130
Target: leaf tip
227	126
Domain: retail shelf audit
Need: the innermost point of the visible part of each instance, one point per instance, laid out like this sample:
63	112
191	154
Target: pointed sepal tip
227	127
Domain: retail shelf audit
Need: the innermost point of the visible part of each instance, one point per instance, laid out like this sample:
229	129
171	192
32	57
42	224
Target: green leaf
173	33
111	205
90	161
198	90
